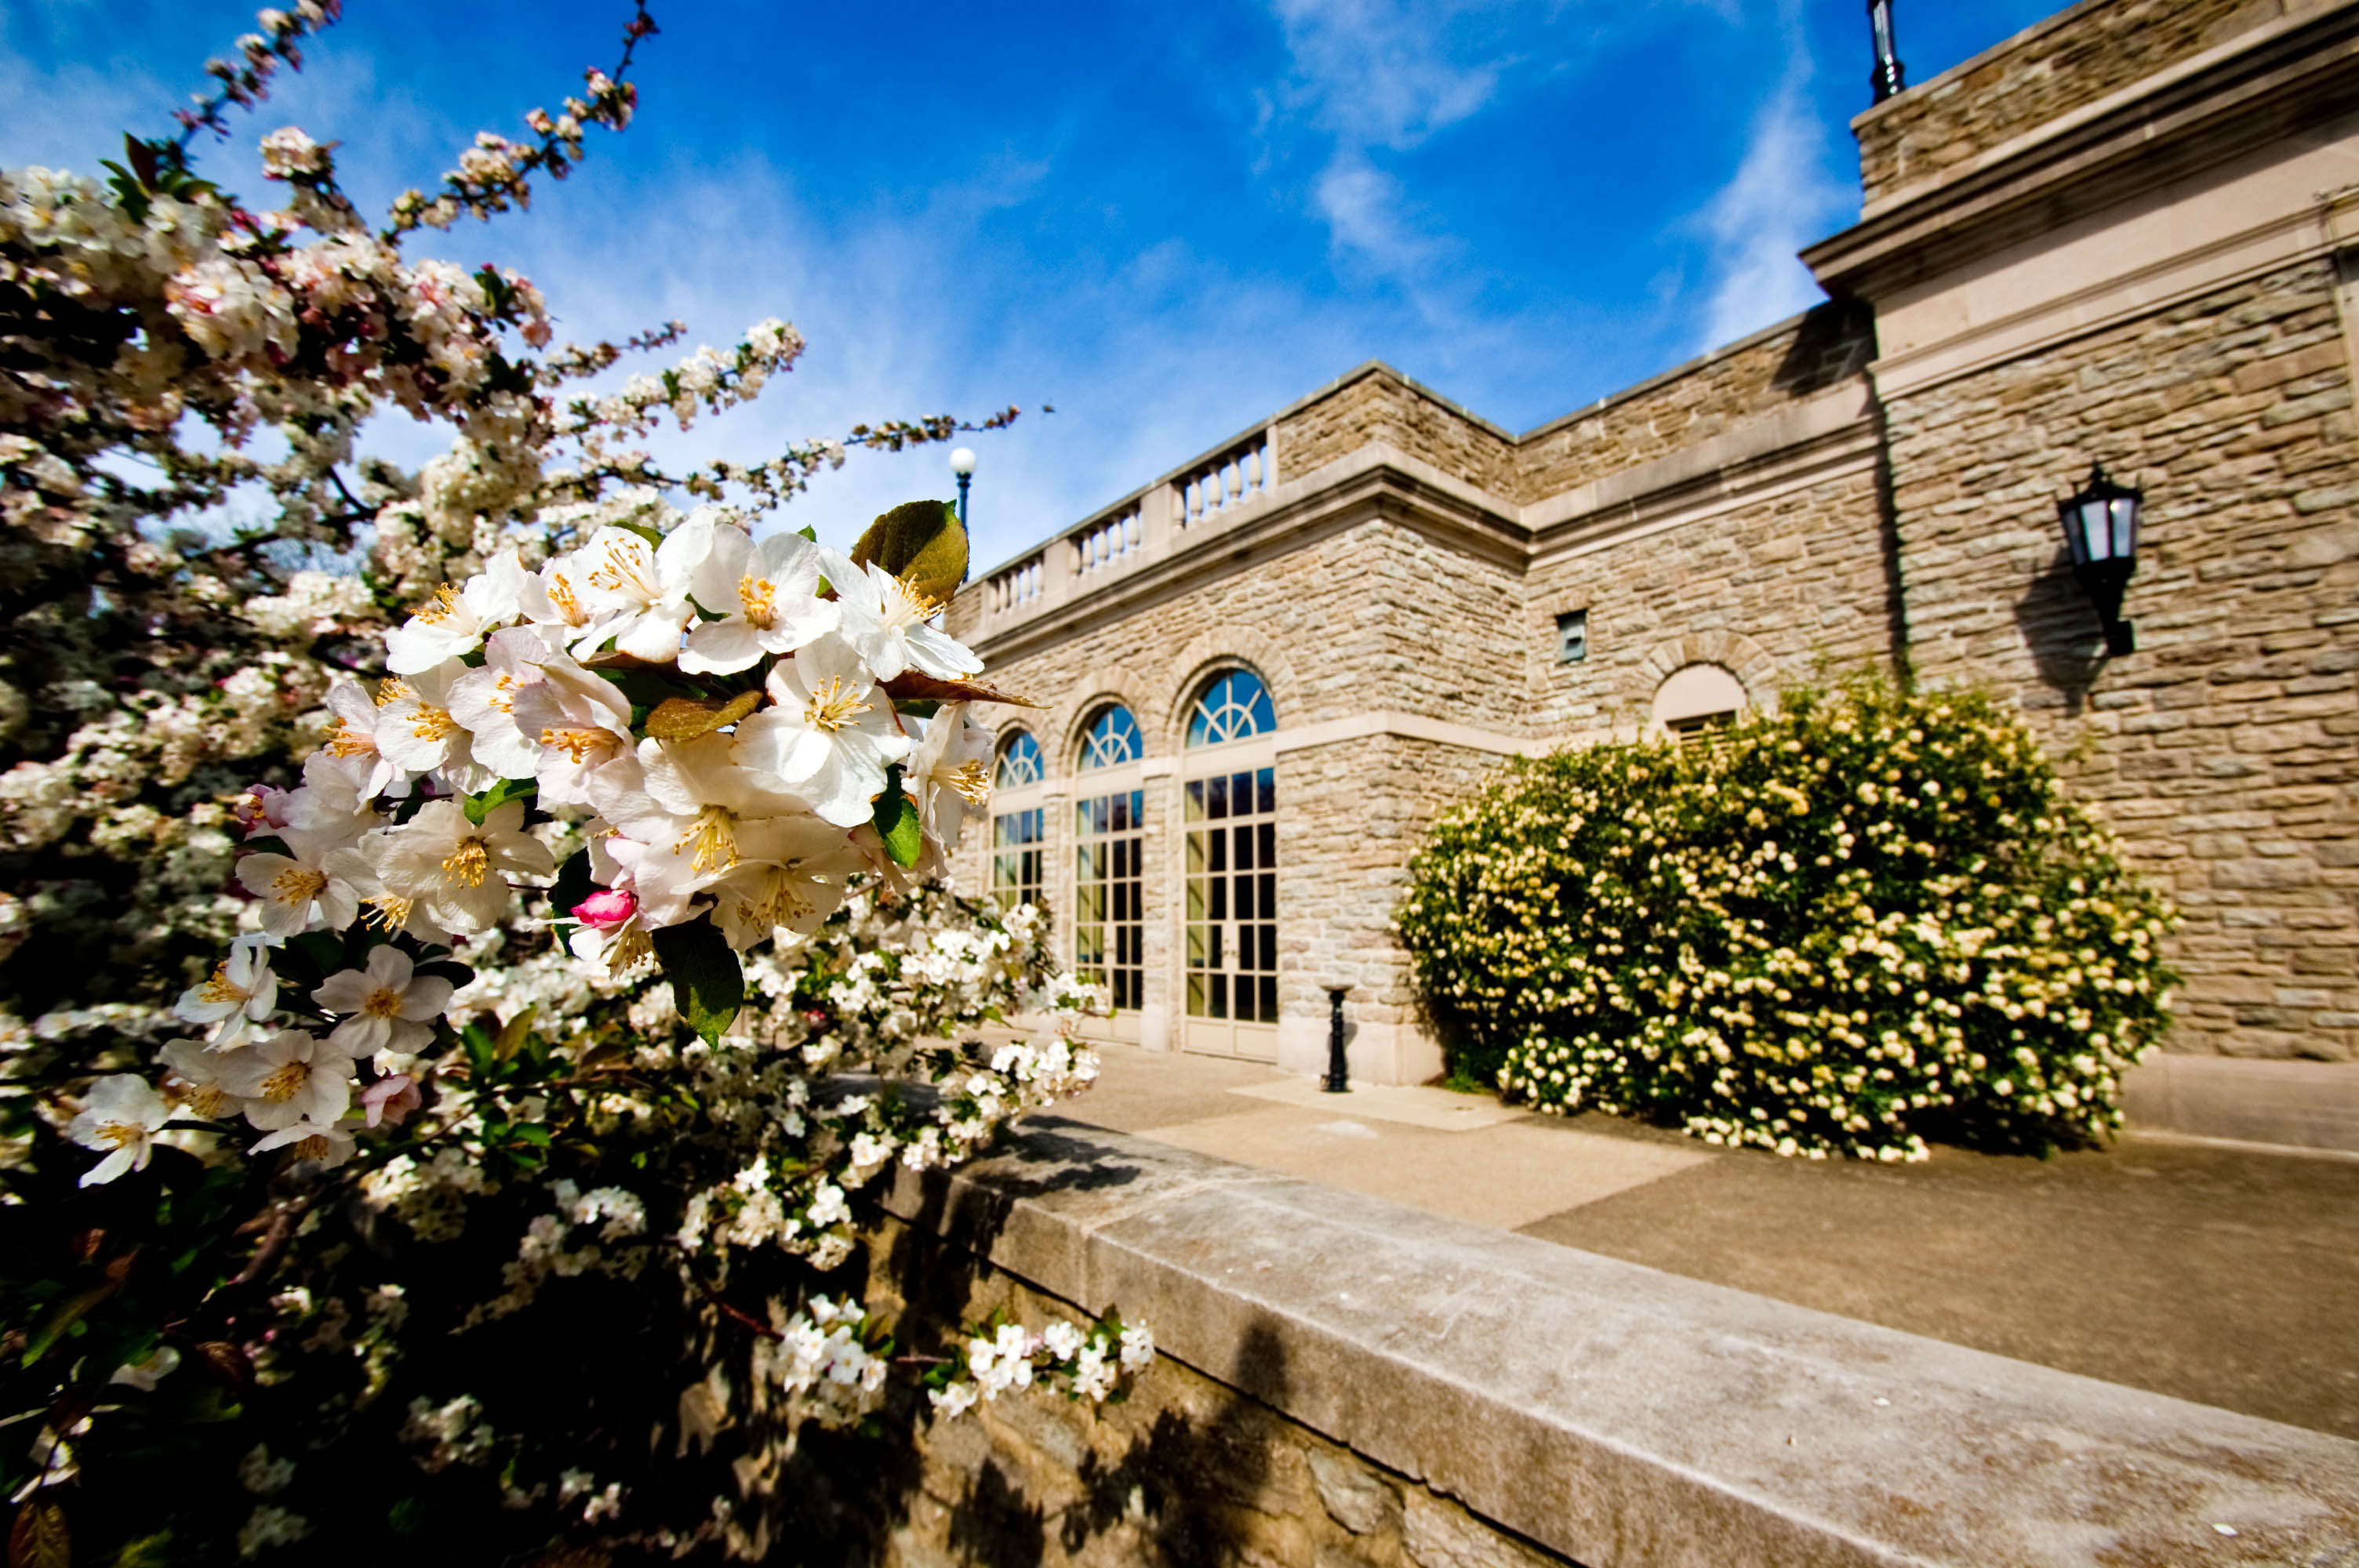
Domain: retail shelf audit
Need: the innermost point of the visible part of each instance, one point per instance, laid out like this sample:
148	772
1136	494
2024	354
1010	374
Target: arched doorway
1229	868
1108	854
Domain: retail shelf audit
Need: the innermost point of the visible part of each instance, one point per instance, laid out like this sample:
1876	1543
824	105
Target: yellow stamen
393	691
755	595
469	861
312	1148
781	907
431	723
832	707
209	1102
560	594
714	835
280	1086
446	604
500	697
298	885
120	1133
631	947
381	1004
220	987
575	743
387	912
348	741
625	567
972	782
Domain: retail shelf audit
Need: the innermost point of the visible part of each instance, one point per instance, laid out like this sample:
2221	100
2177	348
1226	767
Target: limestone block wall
1364	805
1778	590
1748	381
2048	69
2222	749
1375	403
1378	618
1191	1471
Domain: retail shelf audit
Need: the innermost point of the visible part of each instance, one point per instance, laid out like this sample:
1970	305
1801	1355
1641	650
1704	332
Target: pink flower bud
260	809
389	1099
606	909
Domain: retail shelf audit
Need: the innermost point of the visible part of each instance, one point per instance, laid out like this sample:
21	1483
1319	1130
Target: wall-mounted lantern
2101	529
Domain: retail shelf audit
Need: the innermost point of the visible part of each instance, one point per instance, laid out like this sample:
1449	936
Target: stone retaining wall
1191	1470
1348	1382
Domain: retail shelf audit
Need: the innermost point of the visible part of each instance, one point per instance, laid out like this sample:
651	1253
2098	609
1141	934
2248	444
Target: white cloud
1381	72
1786	193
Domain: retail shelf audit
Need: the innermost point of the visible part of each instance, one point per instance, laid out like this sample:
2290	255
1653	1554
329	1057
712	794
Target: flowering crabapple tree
471	945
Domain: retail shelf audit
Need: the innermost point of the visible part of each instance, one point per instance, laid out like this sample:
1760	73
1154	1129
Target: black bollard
1339	1071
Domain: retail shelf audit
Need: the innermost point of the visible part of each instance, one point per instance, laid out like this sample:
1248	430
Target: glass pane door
1232	912
1109	921
1015	858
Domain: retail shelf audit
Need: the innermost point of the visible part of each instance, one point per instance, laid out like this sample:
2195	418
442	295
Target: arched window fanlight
1111	740
1019	762
1233	705
1696	701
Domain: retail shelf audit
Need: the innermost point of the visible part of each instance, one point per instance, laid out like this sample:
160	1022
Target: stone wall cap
1622	1415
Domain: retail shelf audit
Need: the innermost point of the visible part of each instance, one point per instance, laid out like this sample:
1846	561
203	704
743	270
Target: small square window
1573	637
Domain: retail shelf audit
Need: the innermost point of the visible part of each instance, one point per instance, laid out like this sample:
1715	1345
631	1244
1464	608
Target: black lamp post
962	465
1889	75
1339	1067
2101	527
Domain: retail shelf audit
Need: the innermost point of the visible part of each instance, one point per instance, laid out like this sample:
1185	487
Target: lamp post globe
962	465
2101	531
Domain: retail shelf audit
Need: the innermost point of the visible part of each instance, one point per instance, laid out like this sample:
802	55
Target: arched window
1233	705
1696	701
1111	740
1019	762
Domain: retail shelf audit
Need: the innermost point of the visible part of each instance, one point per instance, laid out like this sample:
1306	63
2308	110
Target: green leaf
708	985
896	822
919	542
39	1538
686	718
574	883
513	1033
324	950
478	806
808	531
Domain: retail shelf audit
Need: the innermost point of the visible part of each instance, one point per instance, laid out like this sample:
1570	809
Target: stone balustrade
1244	474
1014	588
1111	544
1198	497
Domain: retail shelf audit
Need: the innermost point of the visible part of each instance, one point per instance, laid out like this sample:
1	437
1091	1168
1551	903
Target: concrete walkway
2225	1276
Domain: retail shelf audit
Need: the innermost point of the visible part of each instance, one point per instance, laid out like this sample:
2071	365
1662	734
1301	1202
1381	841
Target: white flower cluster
751	817
1867	917
1082	1364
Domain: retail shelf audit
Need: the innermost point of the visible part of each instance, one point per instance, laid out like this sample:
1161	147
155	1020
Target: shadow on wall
2068	647
1029	1479
1836	339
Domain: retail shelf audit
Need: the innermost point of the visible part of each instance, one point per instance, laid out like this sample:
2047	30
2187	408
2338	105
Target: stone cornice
2263	87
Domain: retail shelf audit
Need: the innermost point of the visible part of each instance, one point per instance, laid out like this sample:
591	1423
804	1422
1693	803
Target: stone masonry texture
2222	750
2073	58
1192	1471
1917	535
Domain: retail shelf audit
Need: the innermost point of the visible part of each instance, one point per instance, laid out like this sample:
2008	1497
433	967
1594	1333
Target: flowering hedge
468	951
1865	920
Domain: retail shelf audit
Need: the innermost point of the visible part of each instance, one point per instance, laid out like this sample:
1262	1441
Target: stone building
2125	235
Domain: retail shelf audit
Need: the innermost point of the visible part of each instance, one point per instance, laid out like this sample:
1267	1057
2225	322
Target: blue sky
1167	220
